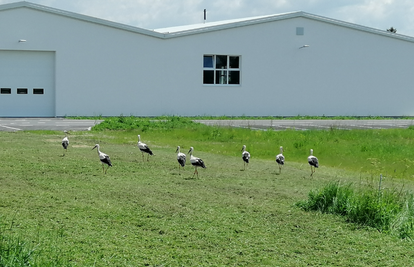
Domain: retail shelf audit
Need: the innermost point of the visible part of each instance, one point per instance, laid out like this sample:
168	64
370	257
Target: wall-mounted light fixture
22	40
303	46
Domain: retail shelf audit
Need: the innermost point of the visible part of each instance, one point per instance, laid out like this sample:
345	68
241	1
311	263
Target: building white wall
342	72
107	71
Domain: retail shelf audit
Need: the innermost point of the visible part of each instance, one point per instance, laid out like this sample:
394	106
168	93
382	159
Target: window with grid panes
221	70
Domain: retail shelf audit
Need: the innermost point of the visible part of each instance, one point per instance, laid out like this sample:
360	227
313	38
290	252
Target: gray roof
178	31
25	4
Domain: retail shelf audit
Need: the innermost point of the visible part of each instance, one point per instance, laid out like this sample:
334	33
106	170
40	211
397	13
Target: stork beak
176	150
93	147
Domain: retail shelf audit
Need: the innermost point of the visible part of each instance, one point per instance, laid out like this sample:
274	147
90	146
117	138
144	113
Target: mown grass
65	212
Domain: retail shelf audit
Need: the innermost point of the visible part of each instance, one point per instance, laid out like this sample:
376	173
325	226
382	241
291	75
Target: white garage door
27	84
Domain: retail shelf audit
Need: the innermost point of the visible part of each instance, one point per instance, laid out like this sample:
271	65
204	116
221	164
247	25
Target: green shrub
143	124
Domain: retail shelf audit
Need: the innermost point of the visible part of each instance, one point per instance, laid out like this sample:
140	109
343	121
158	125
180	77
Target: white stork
280	159
144	148
65	142
245	156
180	158
313	162
104	158
196	162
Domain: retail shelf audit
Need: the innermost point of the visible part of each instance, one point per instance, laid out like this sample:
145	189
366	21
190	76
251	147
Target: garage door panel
27	70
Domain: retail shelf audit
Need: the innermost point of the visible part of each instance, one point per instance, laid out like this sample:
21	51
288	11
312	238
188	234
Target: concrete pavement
312	124
58	124
61	124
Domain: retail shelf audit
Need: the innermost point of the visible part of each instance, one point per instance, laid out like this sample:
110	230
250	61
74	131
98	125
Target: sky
154	14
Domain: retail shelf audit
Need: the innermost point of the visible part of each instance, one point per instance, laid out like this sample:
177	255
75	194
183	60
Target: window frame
216	68
22	91
38	91
5	91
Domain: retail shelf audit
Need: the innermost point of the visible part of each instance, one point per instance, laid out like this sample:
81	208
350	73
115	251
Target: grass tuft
387	211
14	251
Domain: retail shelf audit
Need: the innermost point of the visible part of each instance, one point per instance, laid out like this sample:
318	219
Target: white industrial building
59	63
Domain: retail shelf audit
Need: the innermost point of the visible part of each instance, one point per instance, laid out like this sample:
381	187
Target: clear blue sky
153	14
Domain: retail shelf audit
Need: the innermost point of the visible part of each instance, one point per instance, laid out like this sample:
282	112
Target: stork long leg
280	169
195	172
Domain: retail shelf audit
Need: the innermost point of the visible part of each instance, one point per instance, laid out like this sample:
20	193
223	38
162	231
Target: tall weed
387	211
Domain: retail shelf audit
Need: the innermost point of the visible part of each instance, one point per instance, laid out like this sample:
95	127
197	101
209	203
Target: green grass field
63	211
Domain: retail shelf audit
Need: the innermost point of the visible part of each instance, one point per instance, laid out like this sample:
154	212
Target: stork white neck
97	148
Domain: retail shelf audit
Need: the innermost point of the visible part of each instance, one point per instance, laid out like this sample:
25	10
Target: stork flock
195	161
280	159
